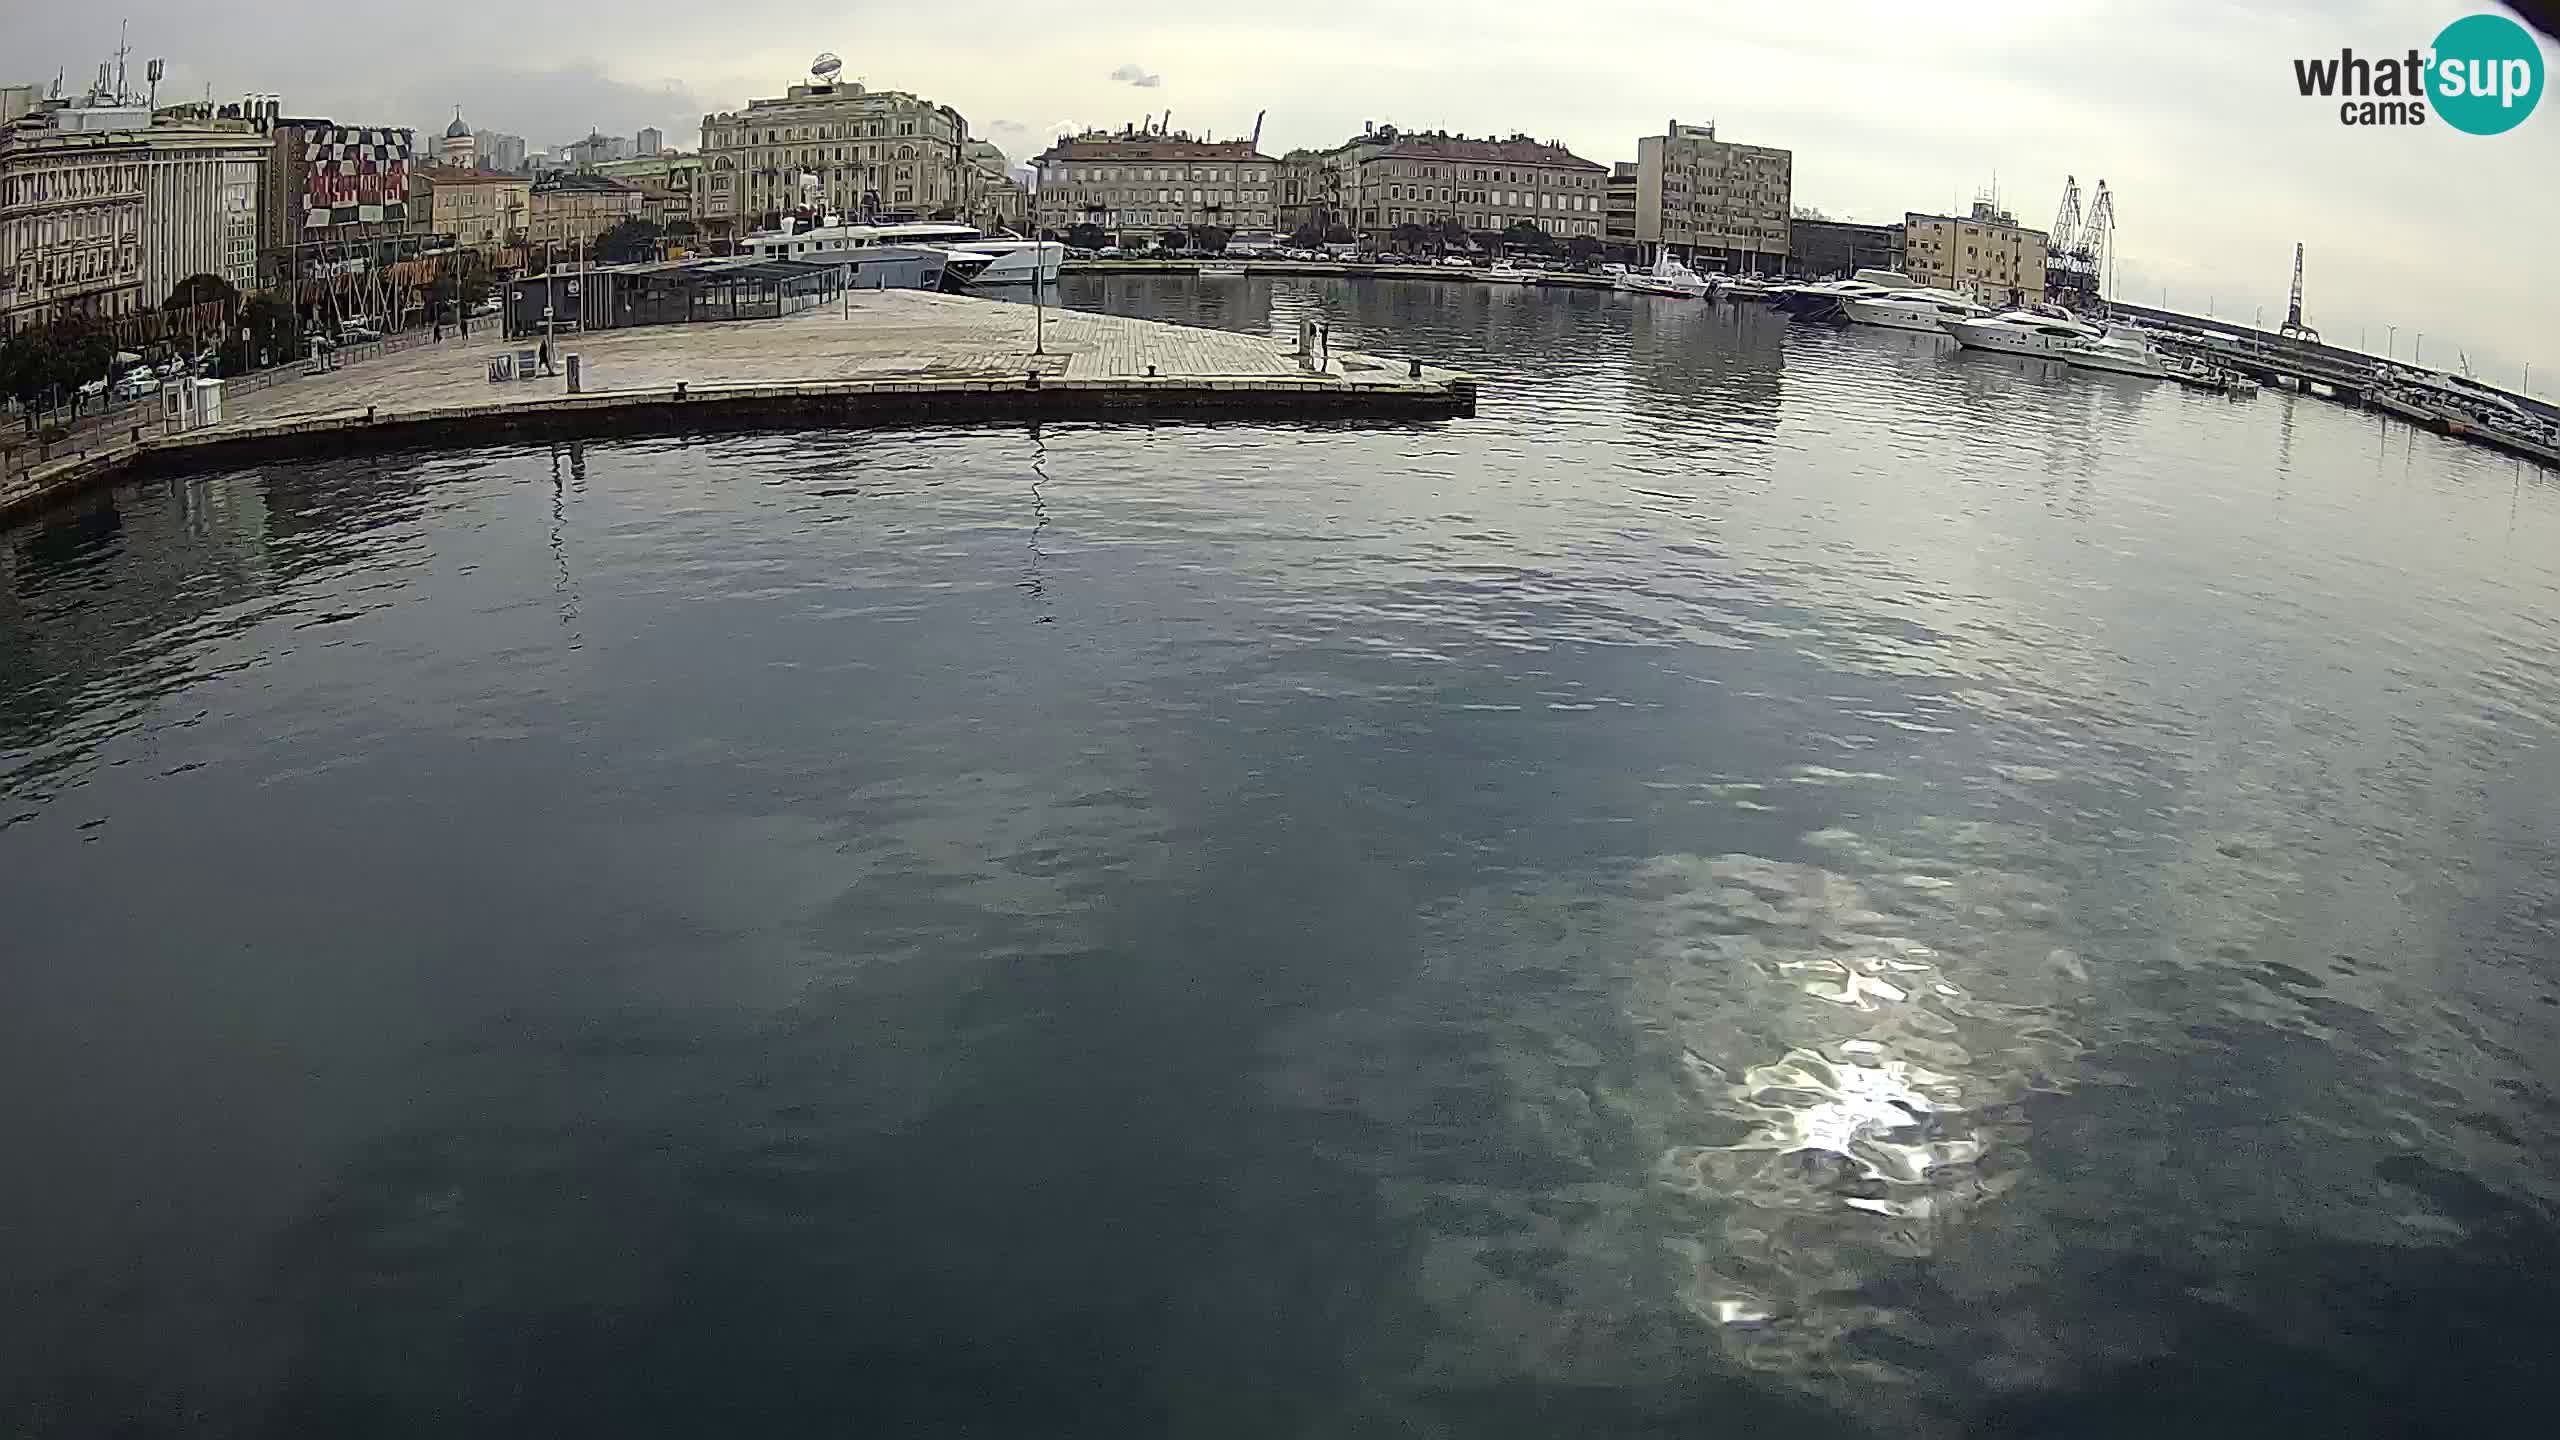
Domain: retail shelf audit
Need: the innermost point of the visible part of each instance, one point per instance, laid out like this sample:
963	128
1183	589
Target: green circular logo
2486	75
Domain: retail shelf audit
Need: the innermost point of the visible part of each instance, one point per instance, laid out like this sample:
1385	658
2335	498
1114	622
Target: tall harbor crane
2293	327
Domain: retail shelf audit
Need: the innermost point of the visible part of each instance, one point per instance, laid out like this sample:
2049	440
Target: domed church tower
461	150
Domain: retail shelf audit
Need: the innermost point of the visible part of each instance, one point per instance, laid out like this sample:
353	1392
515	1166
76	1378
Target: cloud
1138	76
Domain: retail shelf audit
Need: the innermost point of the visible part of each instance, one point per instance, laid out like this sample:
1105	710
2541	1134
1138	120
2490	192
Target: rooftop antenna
153	70
122	50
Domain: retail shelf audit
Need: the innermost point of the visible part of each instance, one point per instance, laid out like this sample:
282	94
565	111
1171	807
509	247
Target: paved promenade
882	358
889	335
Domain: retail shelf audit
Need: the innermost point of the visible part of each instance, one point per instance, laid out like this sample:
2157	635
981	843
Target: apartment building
1716	204
1618	214
1486	185
1986	254
1384	178
477	207
839	148
570	210
1139	184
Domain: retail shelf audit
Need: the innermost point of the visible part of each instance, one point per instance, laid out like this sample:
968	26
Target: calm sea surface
1778	882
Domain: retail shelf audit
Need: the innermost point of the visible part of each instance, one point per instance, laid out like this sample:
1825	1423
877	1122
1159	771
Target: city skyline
2188	111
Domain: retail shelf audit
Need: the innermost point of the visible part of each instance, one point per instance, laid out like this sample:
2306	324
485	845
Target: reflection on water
1781	879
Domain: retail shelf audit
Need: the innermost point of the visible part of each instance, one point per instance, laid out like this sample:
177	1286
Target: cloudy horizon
2189	111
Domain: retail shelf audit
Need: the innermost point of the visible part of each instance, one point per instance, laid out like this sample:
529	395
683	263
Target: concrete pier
880	358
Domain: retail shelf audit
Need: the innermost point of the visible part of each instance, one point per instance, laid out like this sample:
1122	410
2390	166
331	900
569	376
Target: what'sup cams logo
2483	76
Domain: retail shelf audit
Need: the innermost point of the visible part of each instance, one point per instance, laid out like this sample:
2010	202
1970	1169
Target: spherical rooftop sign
826	66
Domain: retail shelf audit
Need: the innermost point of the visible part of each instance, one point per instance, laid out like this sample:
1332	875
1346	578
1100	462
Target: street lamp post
2391	348
2418	351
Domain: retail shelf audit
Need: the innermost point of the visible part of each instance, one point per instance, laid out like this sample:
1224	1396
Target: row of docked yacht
2463	407
1893	300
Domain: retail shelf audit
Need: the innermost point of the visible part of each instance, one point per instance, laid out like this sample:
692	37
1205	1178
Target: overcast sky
2188	110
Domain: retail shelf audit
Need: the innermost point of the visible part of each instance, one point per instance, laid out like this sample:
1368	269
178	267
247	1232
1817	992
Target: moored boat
2023	332
1667	277
1923	309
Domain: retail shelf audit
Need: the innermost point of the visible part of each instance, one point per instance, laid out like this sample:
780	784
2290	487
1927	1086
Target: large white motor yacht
2124	350
977	258
1829	299
1914	310
2023	332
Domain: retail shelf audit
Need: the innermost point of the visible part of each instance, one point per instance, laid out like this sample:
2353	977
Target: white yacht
2023	332
1503	272
1828	299
1914	310
2123	350
1667	277
976	258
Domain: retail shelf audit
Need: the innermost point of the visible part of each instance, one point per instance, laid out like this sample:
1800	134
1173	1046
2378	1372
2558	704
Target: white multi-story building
1140	185
70	225
104	213
200	208
838	148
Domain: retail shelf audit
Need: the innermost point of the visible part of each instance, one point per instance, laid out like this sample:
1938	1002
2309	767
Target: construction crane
1256	146
2066	220
2076	253
2293	328
2097	240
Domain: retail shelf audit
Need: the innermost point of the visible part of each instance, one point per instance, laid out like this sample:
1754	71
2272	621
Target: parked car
1457	262
94	388
1107	252
137	385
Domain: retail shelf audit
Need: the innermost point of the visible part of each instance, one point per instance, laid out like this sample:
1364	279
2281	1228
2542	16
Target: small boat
2023	332
1503	272
1926	310
1221	267
1746	287
1667	277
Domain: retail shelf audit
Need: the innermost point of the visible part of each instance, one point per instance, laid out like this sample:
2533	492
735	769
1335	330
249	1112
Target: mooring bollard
679	389
1151	372
573	373
1031	379
368	414
1416	372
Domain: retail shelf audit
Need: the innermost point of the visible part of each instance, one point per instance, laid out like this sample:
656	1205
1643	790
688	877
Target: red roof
1487	152
1150	147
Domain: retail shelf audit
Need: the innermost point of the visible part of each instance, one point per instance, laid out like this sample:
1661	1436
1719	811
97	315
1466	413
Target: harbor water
1779	881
